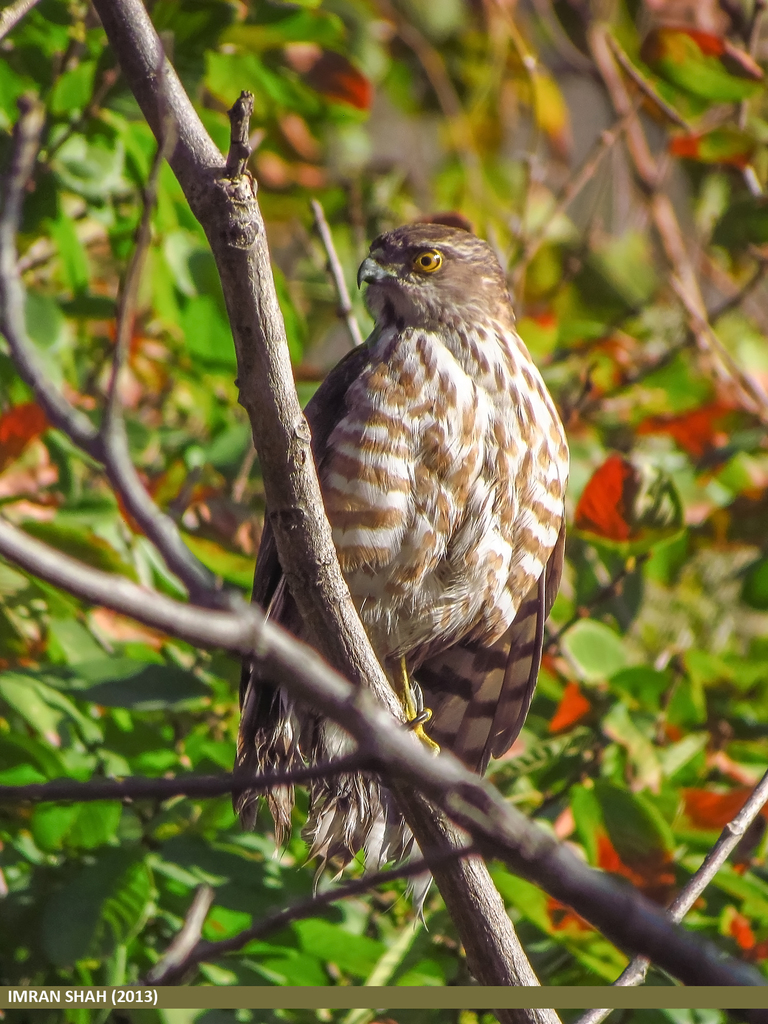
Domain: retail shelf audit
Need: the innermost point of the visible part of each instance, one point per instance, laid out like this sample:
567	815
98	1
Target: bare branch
195	787
110	448
636	971
170	971
175	957
239	144
684	280
229	213
345	310
12	15
572	188
645	86
499	830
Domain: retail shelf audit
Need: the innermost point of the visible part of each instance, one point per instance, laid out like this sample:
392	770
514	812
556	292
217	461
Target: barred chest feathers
444	486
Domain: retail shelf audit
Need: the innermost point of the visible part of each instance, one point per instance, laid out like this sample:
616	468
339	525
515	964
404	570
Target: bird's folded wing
480	695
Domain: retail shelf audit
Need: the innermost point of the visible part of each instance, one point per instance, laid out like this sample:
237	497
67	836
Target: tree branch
337	273
192	786
498	829
170	970
684	280
175	958
229	213
635	972
13	13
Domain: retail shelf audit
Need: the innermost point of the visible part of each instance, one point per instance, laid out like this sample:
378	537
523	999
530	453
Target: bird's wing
480	695
270	724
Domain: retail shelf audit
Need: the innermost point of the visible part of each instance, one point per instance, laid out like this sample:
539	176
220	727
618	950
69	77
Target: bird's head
428	275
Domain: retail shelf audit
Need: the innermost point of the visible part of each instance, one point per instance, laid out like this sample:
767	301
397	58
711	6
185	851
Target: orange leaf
572	708
337	79
741	930
605	503
654	875
696	431
18	427
706	809
563	918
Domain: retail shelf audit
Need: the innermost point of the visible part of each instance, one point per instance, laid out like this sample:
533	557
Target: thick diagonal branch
497	828
229	213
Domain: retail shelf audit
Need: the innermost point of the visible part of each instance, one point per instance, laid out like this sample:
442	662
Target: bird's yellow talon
415	715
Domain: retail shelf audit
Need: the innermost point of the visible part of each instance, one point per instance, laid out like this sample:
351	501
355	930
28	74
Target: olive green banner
235	997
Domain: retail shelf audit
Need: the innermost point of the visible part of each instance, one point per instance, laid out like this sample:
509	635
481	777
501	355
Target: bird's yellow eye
428	261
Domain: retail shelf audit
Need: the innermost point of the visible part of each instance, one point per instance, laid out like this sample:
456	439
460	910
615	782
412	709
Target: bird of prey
443	466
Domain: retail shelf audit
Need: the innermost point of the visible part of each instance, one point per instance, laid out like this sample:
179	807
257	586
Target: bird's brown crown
430	274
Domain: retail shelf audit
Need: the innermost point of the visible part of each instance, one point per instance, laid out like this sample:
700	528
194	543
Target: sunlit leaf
702	63
596	651
572	708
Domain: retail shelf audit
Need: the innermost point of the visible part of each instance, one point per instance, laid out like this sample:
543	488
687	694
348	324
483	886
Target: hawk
443	466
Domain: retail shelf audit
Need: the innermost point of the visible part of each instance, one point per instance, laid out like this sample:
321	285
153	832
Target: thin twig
572	188
195	787
683	279
111	451
754	398
345	310
175	969
743	293
459	123
13	13
618	911
635	972
645	86
186	939
758	13
126	306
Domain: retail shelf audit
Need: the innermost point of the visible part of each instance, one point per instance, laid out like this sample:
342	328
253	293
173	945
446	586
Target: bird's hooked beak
372	272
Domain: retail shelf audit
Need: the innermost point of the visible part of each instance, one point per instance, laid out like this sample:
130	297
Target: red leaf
696	432
337	79
741	930
709	810
572	708
709	44
605	504
653	875
18	427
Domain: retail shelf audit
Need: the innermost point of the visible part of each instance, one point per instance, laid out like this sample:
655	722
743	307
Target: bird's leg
415	714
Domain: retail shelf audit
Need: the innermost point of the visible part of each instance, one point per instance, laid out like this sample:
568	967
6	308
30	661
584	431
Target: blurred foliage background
650	720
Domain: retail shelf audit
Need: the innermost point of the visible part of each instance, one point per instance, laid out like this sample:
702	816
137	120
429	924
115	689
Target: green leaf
206	332
124	683
92	168
23	695
321	28
743	223
595	650
230	566
81	544
639	834
45	322
755	588
356	954
74	260
620	727
701	63
69	642
74	89
102	907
